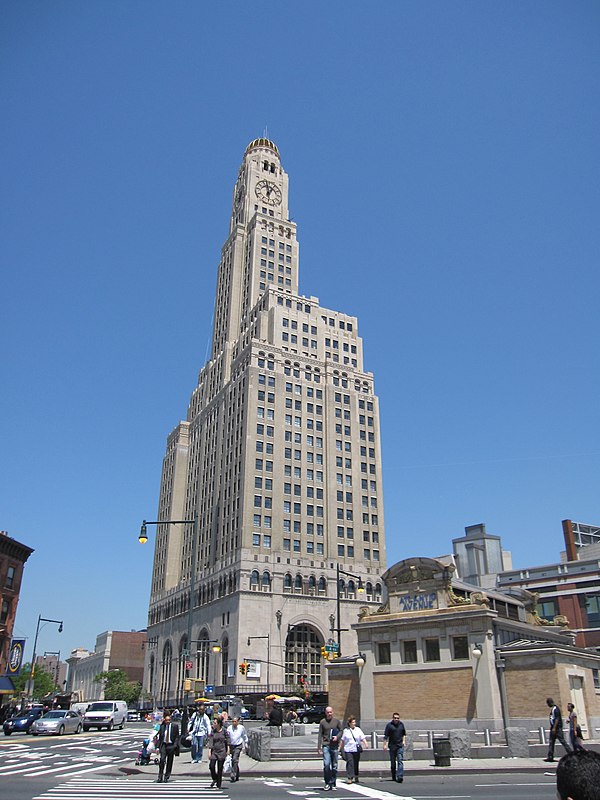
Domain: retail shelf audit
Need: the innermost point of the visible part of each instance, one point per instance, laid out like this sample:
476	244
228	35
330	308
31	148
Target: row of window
430	650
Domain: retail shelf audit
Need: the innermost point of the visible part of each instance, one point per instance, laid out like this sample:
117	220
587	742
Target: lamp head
361	586
216	648
143	537
60	628
477	650
360	661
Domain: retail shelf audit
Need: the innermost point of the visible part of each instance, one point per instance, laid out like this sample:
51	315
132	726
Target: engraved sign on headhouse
421	601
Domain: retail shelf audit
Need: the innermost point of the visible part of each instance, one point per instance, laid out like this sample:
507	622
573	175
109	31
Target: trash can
442	752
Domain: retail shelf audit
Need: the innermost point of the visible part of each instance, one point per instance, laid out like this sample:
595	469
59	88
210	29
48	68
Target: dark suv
311	713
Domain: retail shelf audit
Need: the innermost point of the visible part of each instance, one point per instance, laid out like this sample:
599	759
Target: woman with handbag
352	742
218	746
574	729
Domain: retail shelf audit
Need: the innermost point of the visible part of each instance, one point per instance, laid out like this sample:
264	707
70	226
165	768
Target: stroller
144	757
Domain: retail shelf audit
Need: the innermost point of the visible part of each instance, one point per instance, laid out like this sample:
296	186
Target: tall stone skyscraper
279	459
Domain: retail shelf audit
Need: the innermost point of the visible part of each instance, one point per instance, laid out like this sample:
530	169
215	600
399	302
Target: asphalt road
97	766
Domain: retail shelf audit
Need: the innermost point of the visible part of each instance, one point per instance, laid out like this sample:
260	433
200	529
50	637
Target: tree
117	686
43	682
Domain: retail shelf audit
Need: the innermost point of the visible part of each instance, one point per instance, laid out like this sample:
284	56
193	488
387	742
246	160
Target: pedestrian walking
328	743
393	740
218	745
575	735
168	747
352	742
238	741
556	730
199	730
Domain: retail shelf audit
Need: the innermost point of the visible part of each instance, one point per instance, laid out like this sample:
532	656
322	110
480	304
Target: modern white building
279	461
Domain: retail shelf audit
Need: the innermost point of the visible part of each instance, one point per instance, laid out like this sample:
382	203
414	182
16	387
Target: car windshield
55	714
101	707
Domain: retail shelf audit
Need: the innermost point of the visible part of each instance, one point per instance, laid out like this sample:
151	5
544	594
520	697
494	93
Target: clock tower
279	458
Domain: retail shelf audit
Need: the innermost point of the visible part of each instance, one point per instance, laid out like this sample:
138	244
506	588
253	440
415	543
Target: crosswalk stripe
128	789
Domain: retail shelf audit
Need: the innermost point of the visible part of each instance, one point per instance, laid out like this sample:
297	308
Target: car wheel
305	720
86	728
111	726
61	730
7	733
78	730
33	733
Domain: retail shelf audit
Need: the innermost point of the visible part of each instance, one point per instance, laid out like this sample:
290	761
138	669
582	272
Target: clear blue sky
444	175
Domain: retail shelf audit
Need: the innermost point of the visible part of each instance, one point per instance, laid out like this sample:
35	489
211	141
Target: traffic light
243	668
187	685
325	652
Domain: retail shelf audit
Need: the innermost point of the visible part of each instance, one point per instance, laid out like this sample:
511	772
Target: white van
107	714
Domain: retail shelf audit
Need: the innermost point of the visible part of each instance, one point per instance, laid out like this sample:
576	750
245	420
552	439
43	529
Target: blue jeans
397	762
330	764
197	748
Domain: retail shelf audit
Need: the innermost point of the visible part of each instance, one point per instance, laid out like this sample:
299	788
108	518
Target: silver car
58	721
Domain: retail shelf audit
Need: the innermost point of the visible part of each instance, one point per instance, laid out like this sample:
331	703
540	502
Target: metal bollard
374	740
487	736
430	739
542	733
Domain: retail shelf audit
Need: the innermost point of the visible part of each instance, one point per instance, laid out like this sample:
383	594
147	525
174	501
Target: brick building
13	556
123	650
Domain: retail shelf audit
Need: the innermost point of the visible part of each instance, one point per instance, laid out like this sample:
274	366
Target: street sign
332	647
189	664
209	689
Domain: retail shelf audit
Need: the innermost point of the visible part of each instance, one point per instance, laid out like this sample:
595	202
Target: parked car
133	715
57	722
23	722
311	713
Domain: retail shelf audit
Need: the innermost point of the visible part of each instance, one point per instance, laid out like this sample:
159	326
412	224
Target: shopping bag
227	763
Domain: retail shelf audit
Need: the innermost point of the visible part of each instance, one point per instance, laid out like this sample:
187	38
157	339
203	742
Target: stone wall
427	694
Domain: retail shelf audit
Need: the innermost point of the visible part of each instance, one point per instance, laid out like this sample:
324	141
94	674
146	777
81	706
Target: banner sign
15	657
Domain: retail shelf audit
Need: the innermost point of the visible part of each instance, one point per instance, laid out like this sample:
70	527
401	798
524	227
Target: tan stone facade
280	460
446	655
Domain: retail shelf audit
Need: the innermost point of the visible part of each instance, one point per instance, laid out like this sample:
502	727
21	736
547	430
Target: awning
6	685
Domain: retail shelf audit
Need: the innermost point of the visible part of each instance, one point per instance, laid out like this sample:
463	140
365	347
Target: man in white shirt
199	729
238	740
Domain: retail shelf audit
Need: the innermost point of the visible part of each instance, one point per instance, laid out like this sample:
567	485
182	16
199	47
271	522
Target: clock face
268	192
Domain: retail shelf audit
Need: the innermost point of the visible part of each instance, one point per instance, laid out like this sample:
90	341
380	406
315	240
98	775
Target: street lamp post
143	538
360	589
37	630
268	638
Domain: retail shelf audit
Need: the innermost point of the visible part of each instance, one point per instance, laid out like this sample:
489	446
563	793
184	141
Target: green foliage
43	682
117	686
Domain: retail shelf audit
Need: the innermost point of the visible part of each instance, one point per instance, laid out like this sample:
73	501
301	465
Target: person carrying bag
352	742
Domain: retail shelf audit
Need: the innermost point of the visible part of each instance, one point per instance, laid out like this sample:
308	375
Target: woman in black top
217	744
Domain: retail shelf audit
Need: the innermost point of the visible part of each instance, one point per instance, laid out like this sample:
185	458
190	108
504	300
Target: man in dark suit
168	746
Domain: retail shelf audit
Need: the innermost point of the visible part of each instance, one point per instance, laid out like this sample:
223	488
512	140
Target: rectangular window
409	651
460	648
432	649
384	655
256	539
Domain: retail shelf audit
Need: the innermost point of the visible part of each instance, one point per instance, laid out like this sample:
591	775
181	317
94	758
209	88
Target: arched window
165	672
298	583
287	582
224	660
377	591
266	581
322	585
254	578
342	587
351	589
369	590
312	585
202	656
303	655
